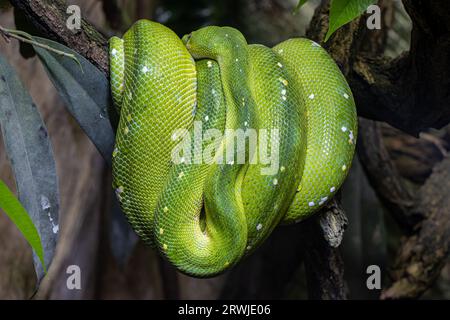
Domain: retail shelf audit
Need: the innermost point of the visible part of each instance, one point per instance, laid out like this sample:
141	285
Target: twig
25	37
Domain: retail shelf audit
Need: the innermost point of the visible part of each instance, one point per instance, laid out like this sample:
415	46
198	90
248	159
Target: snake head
212	41
186	38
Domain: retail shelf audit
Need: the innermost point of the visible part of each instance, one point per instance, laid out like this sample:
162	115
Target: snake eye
186	38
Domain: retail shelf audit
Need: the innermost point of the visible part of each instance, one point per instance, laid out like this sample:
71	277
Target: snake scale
175	95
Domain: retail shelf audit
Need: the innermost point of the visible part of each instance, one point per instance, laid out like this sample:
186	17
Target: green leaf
344	11
29	150
87	96
85	91
299	5
19	216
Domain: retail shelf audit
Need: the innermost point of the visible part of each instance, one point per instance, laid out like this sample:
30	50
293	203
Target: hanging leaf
299	5
344	11
19	216
87	94
29	150
85	90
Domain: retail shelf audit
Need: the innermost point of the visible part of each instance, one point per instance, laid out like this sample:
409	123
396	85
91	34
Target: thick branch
422	256
411	92
49	17
383	175
324	264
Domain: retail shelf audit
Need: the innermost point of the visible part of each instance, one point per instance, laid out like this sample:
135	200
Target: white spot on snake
282	169
315	44
115	152
114	52
231	162
323	200
283	81
275	181
259	226
280	65
213	91
165	246
119	192
344	167
174	136
237	60
249	247
55	228
161	230
333	189
283	92
209	64
284	98
126	130
166	209
246	123
312	96
182	160
346	96
227	35
145	69
351	137
344	129
181	175
206	118
311	204
280	51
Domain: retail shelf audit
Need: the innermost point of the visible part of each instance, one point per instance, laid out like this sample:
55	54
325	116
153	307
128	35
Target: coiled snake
174	96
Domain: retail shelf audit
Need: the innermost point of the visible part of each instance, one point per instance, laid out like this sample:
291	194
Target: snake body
174	96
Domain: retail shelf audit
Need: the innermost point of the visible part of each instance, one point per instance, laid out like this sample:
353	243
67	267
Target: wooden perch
49	17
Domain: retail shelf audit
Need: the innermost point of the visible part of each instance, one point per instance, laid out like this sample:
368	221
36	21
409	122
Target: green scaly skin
205	216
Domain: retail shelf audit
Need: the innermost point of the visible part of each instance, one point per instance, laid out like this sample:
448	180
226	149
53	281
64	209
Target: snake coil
182	102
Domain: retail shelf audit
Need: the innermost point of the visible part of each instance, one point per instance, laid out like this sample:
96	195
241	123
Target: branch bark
324	264
421	257
411	92
49	17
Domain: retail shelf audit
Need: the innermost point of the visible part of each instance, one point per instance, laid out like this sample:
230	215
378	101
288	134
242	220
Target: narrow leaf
344	11
299	5
18	215
85	90
30	152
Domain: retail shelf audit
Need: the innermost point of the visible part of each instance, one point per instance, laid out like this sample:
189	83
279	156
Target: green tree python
183	177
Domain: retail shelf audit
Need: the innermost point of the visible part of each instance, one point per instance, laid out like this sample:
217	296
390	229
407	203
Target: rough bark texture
422	255
49	17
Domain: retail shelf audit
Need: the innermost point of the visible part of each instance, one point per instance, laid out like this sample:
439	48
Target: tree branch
324	264
384	177
49	17
421	257
411	92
